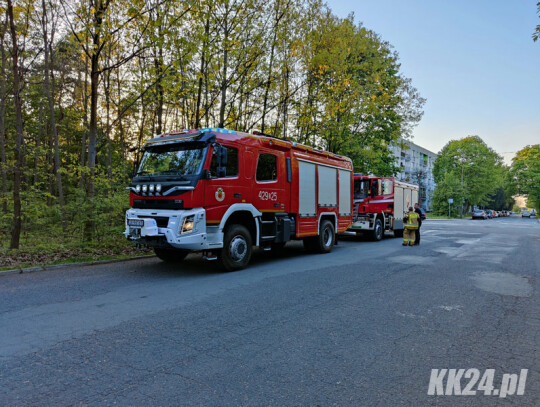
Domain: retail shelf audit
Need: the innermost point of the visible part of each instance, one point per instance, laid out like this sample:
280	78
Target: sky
474	61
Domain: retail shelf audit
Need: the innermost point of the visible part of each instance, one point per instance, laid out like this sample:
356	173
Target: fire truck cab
380	203
221	192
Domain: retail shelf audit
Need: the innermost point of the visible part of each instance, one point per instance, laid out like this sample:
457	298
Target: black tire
171	255
398	232
237	248
378	230
326	239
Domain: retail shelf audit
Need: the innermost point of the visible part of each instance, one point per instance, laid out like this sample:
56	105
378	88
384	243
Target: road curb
61	266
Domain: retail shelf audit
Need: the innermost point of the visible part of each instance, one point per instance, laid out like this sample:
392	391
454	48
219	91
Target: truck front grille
161	221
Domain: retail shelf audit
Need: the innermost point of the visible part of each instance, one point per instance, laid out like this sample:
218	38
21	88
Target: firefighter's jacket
411	220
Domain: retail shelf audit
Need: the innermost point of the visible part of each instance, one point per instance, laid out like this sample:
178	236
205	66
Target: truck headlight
158	188
144	188
138	188
187	224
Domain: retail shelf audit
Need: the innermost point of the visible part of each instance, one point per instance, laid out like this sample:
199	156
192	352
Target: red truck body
227	181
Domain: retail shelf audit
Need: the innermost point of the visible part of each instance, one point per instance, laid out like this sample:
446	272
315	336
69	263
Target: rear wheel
237	248
171	255
378	231
324	242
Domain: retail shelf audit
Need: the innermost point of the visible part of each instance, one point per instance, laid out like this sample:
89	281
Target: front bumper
360	225
163	228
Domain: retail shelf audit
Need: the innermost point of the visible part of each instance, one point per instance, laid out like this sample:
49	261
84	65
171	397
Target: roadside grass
40	252
432	216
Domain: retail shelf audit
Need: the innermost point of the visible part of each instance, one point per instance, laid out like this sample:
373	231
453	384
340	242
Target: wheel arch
331	216
242	214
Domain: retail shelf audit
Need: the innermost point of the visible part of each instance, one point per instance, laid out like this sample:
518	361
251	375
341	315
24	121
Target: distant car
494	214
533	212
479	214
489	214
525	213
423	215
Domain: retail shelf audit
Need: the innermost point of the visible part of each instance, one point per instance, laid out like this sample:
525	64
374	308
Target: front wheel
378	231
171	255
237	248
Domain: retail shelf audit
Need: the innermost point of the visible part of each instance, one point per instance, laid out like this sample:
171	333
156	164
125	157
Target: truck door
271	189
224	187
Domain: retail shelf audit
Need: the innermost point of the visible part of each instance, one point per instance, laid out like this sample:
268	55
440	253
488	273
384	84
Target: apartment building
416	165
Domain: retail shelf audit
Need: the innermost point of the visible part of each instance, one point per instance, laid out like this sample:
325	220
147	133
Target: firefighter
419	212
411	224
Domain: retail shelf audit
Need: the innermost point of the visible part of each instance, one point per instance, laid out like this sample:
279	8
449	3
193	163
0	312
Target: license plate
136	223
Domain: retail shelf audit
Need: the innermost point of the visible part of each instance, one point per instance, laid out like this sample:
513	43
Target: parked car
479	214
423	215
525	213
533	212
489	214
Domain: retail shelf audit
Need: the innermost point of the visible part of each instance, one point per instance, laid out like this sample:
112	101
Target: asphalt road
361	326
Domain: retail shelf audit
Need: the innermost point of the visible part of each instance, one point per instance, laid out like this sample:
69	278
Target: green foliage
448	187
291	67
474	165
355	100
526	173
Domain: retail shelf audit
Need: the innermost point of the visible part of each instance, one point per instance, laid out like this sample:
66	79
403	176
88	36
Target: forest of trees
84	83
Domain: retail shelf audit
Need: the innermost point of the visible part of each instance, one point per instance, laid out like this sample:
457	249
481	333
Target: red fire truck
221	192
380	203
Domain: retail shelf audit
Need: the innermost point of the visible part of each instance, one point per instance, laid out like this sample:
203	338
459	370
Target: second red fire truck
221	192
380	203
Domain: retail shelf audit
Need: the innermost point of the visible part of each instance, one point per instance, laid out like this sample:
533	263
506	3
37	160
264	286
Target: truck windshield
172	160
361	189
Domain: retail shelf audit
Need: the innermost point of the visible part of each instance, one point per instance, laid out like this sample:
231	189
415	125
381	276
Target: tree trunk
16	231
3	94
49	93
201	75
223	87
119	120
86	124
107	91
40	135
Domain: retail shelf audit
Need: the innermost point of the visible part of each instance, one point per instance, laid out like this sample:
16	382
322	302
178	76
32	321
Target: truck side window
387	187
232	162
266	168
